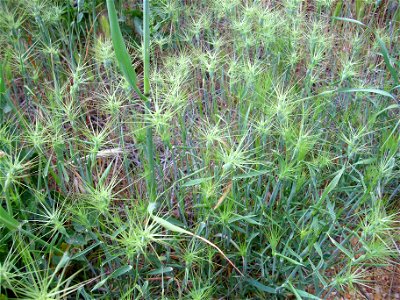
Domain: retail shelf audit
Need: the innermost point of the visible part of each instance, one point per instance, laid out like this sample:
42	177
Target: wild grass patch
198	149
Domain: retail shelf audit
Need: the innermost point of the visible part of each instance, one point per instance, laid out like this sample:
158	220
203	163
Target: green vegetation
172	149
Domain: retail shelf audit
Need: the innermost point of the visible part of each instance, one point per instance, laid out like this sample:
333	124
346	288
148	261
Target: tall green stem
125	65
149	130
2	92
146	47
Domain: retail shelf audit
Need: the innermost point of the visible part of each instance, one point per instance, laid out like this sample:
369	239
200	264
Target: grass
198	149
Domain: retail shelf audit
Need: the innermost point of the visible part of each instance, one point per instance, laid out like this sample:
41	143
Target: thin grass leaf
118	272
87	250
260	286
349	20
332	185
317	273
169	226
341	248
338	8
248	219
8	221
2	93
146	47
160	271
289	259
121	53
366	90
387	59
300	294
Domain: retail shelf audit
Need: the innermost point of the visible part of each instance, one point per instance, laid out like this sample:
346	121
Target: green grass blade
169	226
146	88
261	287
2	93
146	47
342	249
120	50
387	59
83	252
119	272
367	90
331	186
348	20
8	221
289	259
301	294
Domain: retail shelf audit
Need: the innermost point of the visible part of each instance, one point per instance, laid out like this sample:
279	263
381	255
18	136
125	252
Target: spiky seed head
103	52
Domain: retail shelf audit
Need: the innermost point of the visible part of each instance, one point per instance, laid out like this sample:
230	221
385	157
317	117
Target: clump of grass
266	133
